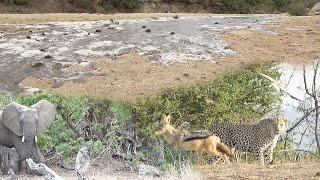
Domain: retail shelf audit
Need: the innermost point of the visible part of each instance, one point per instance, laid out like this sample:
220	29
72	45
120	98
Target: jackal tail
224	149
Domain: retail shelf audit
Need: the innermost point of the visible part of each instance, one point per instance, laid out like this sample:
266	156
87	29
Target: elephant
20	125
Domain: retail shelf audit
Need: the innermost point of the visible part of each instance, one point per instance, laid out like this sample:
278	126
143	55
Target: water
194	38
292	77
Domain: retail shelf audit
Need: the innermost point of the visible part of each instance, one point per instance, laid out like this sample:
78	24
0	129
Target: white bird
82	163
278	85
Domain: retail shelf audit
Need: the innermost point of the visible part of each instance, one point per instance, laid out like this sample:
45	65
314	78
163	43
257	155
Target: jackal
199	141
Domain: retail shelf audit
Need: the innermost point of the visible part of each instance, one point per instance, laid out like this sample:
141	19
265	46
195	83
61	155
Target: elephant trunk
29	133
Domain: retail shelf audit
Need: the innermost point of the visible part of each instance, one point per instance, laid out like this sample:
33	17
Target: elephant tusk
23	138
36	139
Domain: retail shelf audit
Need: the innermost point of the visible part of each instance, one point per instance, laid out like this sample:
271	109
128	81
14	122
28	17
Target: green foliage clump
18	2
4	99
63	134
297	8
83	4
233	6
126	5
244	96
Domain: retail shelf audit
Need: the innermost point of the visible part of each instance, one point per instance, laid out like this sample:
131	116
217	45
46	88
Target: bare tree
313	94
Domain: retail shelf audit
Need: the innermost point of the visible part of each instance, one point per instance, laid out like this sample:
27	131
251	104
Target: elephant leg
22	150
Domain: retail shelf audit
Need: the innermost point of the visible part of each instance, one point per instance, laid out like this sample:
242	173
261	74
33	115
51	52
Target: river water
292	78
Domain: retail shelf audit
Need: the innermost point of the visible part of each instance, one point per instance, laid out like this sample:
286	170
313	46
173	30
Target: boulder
316	9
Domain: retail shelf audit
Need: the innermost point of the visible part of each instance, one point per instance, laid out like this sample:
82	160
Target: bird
278	85
82	163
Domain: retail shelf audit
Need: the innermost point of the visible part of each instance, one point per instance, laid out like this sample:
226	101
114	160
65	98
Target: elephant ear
10	117
46	112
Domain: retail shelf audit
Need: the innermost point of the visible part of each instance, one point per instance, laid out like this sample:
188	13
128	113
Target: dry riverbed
99	65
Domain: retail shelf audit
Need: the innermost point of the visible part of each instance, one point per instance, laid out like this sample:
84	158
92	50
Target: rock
48	57
43	50
186	74
57	66
176	17
32	90
98	30
37	64
216	23
147	170
148	30
43	34
172	33
28	37
315	9
143	27
318	174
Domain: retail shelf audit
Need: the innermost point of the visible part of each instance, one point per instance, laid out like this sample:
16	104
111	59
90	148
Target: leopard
258	139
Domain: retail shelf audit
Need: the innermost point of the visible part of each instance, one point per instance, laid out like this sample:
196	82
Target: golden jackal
198	141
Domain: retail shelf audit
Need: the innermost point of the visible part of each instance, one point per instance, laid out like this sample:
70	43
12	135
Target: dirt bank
79	17
296	40
300	170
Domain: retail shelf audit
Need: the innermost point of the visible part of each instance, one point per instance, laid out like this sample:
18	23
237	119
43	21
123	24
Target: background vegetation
294	7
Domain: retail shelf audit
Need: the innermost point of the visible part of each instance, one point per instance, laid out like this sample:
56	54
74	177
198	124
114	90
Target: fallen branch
279	86
42	169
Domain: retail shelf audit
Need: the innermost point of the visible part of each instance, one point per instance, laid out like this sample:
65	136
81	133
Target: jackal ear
168	118
165	120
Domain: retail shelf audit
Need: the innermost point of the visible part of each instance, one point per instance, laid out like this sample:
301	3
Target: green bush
233	6
63	135
243	96
83	4
126	5
297	8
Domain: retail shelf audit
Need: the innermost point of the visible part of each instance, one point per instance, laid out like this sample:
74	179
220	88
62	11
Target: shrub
297	8
233	6
83	4
126	5
81	122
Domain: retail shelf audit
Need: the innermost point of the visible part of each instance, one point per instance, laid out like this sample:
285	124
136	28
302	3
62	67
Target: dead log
42	169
